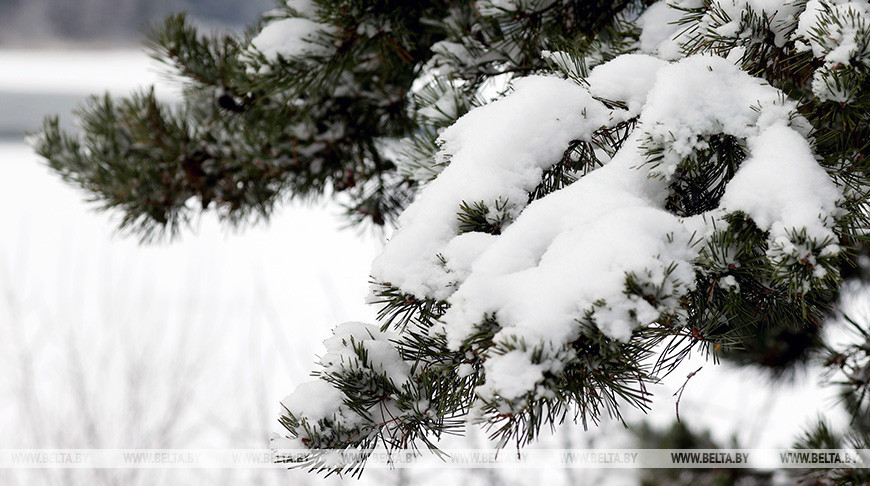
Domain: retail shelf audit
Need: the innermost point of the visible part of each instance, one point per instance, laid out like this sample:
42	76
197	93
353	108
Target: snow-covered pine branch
716	214
597	187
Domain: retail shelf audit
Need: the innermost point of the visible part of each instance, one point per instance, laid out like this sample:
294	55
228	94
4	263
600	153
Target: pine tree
598	189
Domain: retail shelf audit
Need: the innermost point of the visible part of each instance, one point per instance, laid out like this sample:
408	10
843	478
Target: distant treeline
43	21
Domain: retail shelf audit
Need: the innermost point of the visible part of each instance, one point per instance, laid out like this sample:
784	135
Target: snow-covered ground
193	343
106	342
80	72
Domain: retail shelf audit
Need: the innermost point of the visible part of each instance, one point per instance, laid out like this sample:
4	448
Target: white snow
659	30
563	261
511	376
781	182
227	321
315	400
443	109
81	72
56	245
840	43
318	399
627	78
461	252
565	258
292	38
304	8
690	101
496	152
568	251
382	355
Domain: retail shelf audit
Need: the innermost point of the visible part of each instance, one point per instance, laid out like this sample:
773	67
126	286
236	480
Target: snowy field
193	343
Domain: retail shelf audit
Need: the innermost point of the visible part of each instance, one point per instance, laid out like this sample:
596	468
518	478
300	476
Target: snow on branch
570	281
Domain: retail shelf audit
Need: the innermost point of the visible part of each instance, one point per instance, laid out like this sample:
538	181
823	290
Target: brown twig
679	393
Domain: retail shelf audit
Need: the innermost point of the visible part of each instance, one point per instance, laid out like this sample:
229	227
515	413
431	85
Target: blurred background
193	343
47	23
